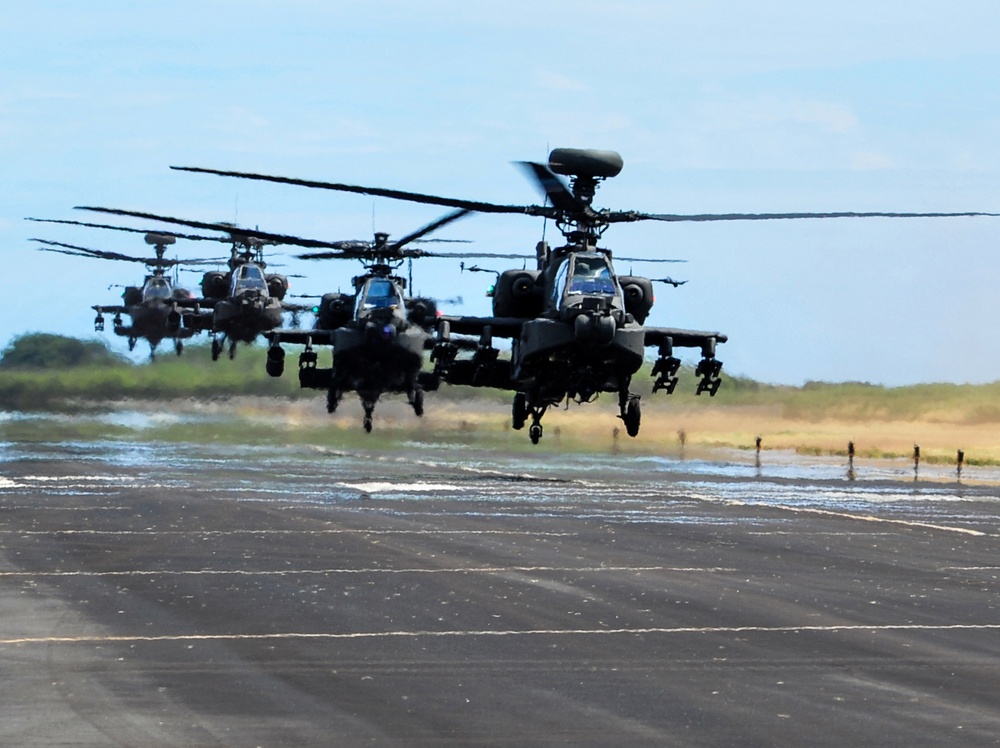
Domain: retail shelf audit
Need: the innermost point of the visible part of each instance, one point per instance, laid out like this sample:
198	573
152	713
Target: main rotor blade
223	227
352	245
193	237
644	259
98	254
413	197
562	199
632	216
101	254
327	256
429	228
474	255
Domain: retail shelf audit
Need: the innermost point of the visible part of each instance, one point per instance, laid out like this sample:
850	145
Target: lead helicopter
236	305
155	307
577	327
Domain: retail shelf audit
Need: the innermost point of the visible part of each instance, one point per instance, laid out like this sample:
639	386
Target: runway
159	594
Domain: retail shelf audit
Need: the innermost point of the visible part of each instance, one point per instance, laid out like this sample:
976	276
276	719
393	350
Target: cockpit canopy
248	278
585	274
157	287
379	293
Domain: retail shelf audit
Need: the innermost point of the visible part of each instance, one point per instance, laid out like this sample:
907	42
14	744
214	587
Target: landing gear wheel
216	349
178	347
535	432
418	402
519	411
632	416
368	423
131	344
232	350
332	400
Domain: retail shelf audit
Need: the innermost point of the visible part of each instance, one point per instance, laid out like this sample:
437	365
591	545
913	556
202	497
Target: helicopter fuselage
246	316
153	310
379	349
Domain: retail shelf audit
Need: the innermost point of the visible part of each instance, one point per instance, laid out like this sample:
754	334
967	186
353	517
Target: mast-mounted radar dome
576	162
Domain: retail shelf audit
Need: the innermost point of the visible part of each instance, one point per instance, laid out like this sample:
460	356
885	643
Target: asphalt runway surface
182	594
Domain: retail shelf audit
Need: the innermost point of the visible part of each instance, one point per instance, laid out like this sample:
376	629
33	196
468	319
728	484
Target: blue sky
714	106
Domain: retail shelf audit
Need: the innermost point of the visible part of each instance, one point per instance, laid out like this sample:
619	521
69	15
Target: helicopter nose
594	329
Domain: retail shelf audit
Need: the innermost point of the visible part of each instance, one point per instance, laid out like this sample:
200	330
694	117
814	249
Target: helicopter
577	328
154	307
241	303
245	301
378	334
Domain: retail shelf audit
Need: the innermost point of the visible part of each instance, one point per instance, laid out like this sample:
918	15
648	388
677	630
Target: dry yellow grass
592	427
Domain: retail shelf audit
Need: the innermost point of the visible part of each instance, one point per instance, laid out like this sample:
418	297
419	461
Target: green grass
195	376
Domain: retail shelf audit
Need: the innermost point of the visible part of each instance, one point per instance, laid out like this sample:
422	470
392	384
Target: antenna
545	220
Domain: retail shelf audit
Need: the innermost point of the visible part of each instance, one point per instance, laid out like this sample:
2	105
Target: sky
715	107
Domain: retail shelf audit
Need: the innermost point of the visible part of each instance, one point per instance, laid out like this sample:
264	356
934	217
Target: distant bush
46	351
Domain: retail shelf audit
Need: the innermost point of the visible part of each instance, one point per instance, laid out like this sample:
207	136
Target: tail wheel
418	402
535	432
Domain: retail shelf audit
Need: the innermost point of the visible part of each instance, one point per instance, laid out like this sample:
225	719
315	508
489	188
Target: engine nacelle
335	310
421	311
132	296
518	294
277	286
638	294
215	284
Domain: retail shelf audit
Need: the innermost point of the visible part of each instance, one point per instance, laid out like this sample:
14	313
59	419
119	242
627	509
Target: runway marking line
115	639
294	572
331	531
849	515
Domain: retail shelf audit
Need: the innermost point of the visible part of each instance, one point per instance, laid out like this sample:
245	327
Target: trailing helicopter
577	328
242	302
378	334
154	307
245	301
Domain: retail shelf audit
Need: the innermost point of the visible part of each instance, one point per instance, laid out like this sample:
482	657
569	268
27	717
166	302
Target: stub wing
101	309
501	327
301	337
677	338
